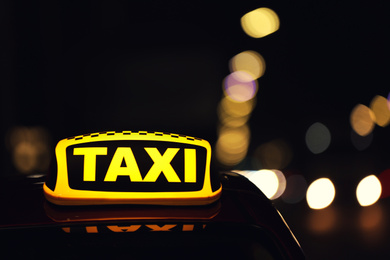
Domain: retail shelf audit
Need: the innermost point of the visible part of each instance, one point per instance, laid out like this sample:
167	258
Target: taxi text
162	164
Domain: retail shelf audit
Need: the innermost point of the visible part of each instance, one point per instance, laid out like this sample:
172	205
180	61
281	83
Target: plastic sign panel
132	168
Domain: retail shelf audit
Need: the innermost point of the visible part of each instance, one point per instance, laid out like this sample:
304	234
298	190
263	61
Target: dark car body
242	224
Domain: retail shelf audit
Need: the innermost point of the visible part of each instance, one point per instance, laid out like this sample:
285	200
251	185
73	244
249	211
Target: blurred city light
30	148
388	101
276	154
320	193
296	187
260	22
384	178
281	184
231	121
250	62
322	221
361	142
240	86
362	120
317	138
368	190
271	182
236	109
232	145
370	218
381	110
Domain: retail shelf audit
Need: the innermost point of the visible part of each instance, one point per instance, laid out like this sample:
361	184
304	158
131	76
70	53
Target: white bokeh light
320	193
368	190
271	182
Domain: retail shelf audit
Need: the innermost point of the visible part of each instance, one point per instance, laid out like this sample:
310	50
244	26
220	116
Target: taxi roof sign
132	168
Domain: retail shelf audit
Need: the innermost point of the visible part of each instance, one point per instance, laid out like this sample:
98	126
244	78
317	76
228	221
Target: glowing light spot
296	187
250	62
260	22
388	101
232	145
322	221
320	193
370	218
361	142
317	138
384	178
362	120
240	86
266	181
271	182
276	154
230	121
368	190
235	114
281	184
30	148
236	109
381	111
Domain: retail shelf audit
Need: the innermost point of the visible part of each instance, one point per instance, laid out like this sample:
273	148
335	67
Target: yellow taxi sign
132	168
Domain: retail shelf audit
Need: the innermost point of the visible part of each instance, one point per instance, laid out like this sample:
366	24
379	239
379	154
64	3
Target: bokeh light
250	62
230	121
373	224
370	218
30	148
317	138
381	110
266	181
361	142
235	114
388	101
322	221
282	182
296	187
362	120
320	193
236	109
275	154
271	182
232	145
240	86
368	190
260	22
384	178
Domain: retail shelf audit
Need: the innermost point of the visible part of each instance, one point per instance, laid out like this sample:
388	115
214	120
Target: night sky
75	67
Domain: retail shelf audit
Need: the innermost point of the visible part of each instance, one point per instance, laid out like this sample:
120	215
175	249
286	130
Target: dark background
74	67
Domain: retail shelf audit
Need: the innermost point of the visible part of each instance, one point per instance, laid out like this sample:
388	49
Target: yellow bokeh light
30	148
232	145
362	120
229	121
276	154
236	109
381	110
249	61
368	190
260	22
320	193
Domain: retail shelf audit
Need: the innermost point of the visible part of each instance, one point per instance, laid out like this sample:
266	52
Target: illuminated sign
173	227
132	168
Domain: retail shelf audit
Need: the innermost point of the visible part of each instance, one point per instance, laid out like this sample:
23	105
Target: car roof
24	206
